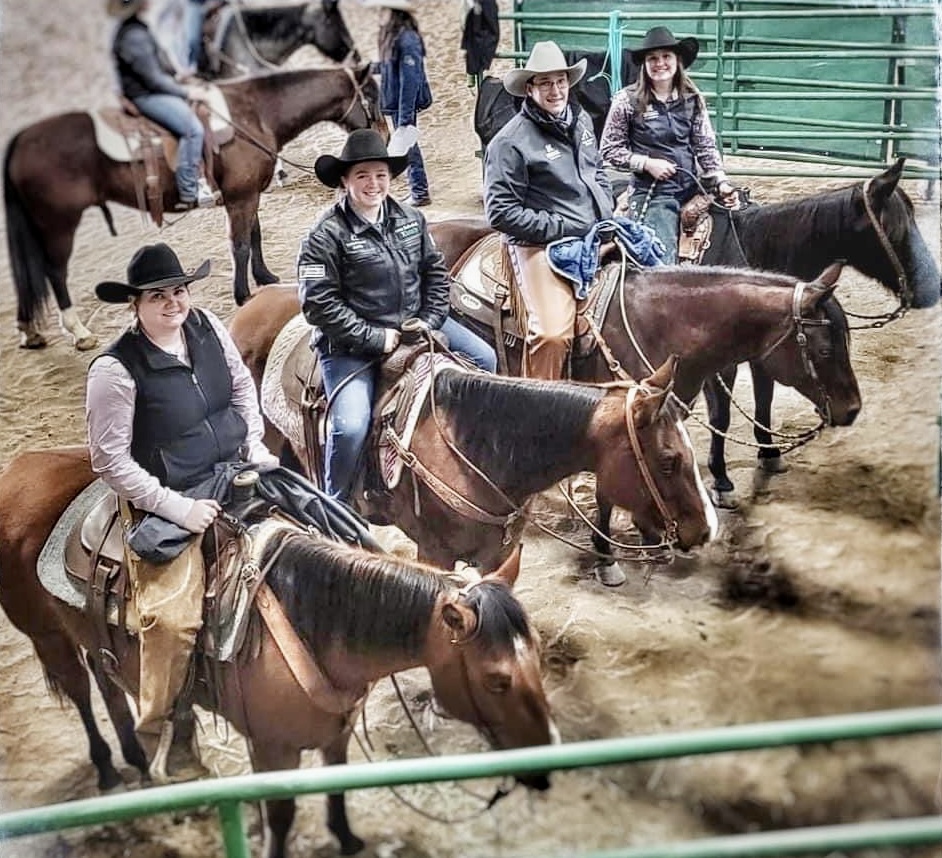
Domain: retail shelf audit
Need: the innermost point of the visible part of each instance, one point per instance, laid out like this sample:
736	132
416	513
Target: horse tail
108	219
28	258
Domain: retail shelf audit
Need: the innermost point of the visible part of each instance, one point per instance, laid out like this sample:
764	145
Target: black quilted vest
184	422
664	131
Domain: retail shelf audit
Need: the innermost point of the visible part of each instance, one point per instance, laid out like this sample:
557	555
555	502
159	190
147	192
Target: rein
518	515
798	321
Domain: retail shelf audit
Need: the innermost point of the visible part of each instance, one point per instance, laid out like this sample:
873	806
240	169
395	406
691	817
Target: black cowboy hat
364	144
658	38
154	266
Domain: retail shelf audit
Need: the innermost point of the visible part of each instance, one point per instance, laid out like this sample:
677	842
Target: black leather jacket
358	279
142	67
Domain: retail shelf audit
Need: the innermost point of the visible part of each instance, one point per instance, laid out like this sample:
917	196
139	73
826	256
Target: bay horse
869	225
483	445
361	616
53	171
241	39
712	318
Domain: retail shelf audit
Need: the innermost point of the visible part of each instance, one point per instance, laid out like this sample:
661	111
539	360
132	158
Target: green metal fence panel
820	80
225	794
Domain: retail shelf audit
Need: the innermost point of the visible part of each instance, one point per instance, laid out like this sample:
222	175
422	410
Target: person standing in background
405	88
480	35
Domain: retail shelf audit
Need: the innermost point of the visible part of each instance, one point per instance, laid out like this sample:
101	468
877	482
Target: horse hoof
724	499
351	845
32	340
85	344
610	574
773	465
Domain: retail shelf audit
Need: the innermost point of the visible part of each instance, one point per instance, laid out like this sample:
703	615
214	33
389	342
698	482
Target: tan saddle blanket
123	137
293	399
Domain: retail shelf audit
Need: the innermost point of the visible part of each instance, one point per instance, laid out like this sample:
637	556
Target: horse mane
493	420
692	276
337	595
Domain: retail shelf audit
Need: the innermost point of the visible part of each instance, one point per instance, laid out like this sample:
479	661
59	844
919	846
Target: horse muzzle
540	783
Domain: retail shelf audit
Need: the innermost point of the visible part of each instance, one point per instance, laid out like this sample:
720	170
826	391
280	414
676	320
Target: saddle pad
279	404
109	122
50	567
423	370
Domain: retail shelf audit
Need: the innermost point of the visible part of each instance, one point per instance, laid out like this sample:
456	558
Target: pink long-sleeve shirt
109	417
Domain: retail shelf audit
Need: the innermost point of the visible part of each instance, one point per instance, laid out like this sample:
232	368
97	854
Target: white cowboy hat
123	8
545	57
403	5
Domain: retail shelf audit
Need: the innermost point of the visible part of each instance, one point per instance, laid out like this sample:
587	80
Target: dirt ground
821	595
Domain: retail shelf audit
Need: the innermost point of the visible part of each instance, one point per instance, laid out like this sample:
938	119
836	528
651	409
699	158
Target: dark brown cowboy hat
659	38
123	8
364	144
154	266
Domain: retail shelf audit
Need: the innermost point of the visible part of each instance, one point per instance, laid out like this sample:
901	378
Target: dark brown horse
710	317
870	226
484	445
241	39
361	616
54	170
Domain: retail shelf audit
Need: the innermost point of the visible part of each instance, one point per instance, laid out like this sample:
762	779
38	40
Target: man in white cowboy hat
543	180
146	78
659	131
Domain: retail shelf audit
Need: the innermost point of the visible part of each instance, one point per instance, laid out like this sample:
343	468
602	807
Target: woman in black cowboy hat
367	266
658	129
167	401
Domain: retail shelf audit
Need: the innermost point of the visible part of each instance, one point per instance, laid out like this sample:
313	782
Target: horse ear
829	276
654	392
883	185
459	618
509	570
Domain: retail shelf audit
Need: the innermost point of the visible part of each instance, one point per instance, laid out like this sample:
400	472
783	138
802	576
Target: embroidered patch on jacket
312	272
552	153
587	136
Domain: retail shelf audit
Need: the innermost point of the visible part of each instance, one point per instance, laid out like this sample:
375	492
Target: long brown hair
643	91
399	20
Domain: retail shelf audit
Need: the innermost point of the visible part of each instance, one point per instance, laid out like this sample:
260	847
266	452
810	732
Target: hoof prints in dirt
757	583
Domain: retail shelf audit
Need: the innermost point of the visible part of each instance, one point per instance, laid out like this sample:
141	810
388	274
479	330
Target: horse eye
497	683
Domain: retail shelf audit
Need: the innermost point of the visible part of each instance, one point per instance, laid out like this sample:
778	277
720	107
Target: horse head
364	110
813	355
486	669
886	243
324	27
668	499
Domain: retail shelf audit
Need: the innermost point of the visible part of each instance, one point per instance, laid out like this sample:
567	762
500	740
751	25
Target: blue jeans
418	179
351	403
174	114
663	216
194	32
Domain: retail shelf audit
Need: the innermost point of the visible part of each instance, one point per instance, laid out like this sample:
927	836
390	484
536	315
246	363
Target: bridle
358	96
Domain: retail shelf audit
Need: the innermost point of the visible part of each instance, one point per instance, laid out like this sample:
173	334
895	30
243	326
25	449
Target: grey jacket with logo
358	279
543	181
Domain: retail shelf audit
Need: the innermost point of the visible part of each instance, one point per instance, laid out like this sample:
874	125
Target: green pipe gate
226	795
815	81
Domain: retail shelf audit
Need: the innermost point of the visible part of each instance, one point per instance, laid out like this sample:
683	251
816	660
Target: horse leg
260	272
60	250
241	219
66	675
763	387
607	570
117	704
279	813
336	754
718	400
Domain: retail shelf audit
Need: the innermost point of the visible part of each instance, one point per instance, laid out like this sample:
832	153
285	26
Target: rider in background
367	266
146	78
543	180
166	402
658	128
405	90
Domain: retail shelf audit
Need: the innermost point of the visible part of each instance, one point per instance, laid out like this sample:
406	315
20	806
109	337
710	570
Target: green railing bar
877	95
772	134
916	831
785	14
827	123
604	752
910	172
233	830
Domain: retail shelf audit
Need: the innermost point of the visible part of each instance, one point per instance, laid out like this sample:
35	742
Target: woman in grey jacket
543	180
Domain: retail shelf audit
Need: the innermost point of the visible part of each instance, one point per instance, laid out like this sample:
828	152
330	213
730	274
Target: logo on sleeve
587	136
316	271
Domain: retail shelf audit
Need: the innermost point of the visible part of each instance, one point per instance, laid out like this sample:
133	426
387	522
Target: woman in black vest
166	402
659	129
